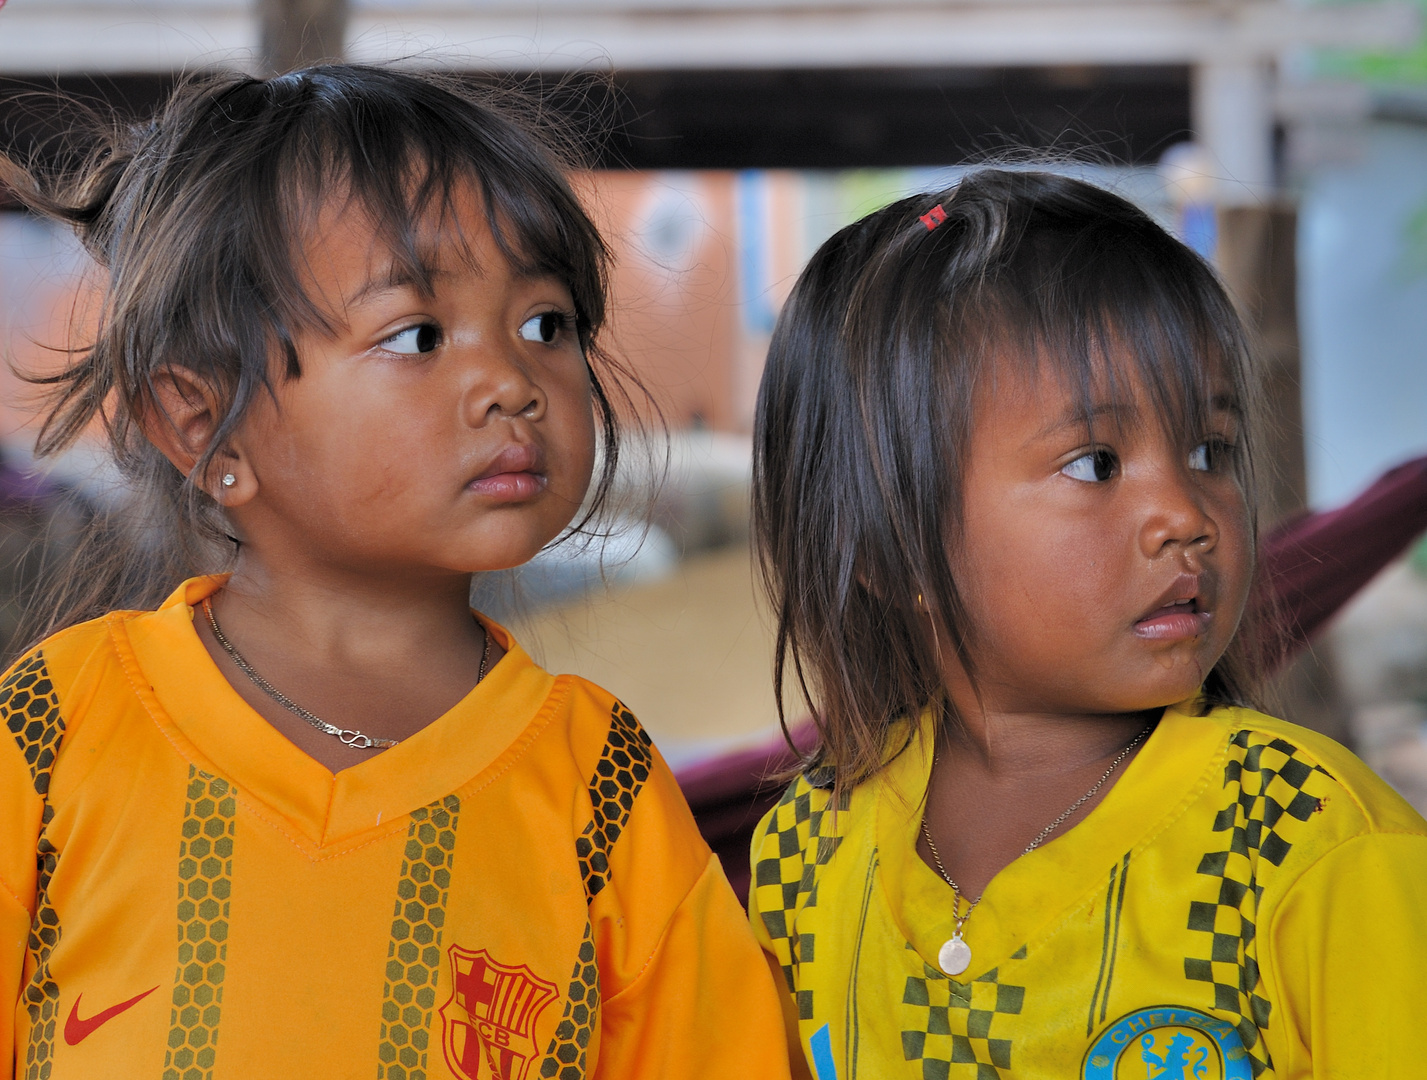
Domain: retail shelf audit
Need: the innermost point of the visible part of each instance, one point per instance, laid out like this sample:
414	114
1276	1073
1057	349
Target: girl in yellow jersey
1004	497
308	817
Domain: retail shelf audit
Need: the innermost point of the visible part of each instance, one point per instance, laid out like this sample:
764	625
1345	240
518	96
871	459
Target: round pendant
955	956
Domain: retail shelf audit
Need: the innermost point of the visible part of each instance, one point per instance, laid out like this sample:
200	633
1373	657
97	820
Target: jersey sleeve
19	830
683	988
28	731
704	1006
778	886
1350	938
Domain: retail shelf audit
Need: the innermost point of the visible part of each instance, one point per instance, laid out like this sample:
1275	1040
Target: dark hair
865	412
194	217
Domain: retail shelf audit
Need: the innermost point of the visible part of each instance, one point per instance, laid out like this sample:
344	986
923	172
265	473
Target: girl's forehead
351	250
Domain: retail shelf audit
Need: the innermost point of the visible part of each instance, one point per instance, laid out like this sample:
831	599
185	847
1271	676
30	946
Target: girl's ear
181	421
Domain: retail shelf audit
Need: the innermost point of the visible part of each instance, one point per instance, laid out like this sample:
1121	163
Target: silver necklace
357	740
954	957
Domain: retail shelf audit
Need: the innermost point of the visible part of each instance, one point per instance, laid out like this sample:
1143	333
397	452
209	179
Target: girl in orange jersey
307	816
1004	501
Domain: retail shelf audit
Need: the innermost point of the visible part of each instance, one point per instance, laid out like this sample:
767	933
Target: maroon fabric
731	792
1313	565
1317	562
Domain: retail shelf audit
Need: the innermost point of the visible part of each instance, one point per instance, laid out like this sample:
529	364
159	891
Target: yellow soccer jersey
518	891
1247	901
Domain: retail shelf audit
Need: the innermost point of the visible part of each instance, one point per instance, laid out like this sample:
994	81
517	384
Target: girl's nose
1178	515
501	387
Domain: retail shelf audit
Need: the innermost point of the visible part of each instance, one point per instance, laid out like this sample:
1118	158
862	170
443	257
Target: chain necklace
357	740
954	956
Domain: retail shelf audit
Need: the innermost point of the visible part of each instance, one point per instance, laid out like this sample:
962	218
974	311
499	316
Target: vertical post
1257	257
296	33
1233	121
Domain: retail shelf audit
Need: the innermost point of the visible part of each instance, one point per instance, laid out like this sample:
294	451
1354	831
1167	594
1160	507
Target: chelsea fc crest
1168	1042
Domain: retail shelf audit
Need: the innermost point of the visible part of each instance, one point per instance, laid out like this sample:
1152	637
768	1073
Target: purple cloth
19	489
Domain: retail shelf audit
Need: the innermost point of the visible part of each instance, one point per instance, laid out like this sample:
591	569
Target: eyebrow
1228	403
394	279
1074	416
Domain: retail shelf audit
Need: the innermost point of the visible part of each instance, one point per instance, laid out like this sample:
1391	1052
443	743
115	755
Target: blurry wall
1363	307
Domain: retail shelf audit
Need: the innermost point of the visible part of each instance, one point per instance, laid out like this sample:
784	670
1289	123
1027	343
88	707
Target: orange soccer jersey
517	891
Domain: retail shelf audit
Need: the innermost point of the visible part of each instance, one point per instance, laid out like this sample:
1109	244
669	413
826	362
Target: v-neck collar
187	694
1030	899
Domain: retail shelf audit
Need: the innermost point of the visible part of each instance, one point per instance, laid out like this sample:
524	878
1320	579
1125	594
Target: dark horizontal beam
814	119
834	119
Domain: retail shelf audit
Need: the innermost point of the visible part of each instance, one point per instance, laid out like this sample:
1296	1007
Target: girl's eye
414	340
1094	468
1210	455
545	327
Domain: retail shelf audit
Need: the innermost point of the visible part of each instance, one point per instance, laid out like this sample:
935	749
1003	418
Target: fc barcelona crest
488	1026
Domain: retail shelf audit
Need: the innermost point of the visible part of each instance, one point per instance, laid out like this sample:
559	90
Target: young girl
312	818
1005	511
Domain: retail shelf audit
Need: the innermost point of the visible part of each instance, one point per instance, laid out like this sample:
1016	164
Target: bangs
1110	311
405	158
400	150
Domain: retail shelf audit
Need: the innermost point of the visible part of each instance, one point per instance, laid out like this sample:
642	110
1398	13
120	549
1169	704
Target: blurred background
1286	141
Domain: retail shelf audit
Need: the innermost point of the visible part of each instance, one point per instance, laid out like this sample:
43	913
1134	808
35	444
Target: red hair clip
933	217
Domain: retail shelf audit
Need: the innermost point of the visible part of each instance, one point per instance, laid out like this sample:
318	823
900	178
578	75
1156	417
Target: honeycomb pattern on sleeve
619	776
620	773
414	952
29	707
205	884
565	1057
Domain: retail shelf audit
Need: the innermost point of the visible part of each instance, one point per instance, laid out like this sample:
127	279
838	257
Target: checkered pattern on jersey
951	1028
29	709
800	838
619	775
414	953
1273	793
205	885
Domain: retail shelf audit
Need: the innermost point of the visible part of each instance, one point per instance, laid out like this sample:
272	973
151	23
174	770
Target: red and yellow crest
488	1026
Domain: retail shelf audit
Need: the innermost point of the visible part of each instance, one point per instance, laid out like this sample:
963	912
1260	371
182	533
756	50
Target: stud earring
229	480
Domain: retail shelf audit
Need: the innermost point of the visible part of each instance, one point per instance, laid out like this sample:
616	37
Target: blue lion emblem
1175	1063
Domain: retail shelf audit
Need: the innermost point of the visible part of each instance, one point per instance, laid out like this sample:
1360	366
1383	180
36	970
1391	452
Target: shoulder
41	693
1297	772
802	832
604	735
70	649
640	825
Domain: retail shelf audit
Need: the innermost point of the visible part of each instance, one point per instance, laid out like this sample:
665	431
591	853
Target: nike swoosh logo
77	1030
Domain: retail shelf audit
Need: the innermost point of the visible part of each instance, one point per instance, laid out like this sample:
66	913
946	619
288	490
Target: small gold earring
229	480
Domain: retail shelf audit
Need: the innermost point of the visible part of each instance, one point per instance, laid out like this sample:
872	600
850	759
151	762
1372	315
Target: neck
329	613
1024	744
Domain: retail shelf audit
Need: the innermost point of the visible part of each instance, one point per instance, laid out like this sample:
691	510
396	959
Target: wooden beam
297	33
1257	257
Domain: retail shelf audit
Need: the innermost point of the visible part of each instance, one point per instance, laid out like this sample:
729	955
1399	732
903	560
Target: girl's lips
1174	622
515	474
509	486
